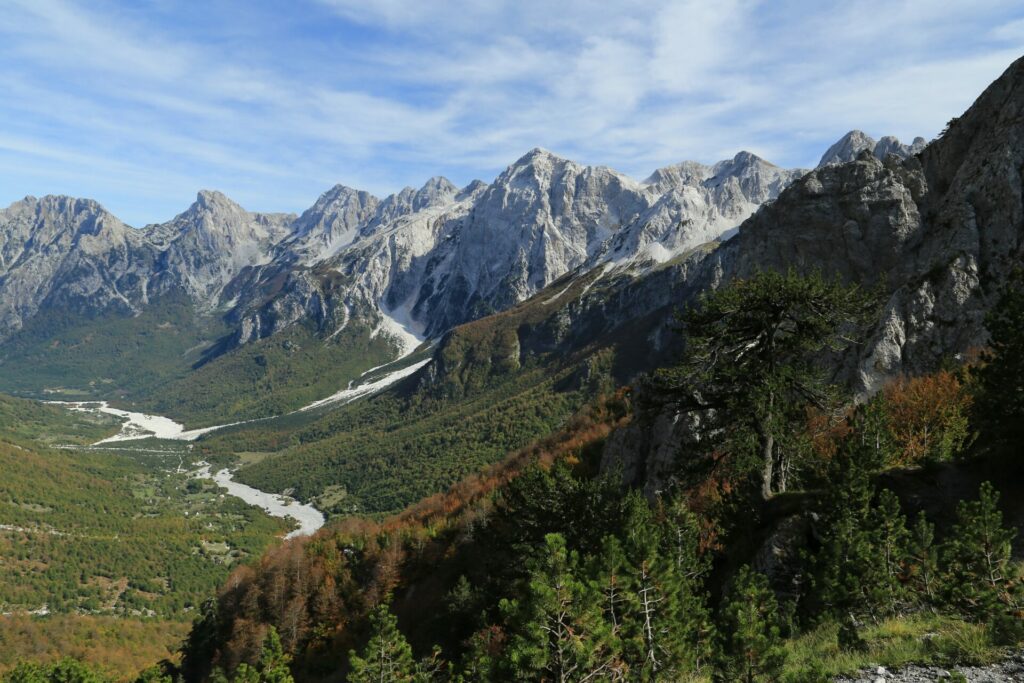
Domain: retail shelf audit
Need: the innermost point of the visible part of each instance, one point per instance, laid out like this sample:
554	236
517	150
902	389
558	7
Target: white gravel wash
307	517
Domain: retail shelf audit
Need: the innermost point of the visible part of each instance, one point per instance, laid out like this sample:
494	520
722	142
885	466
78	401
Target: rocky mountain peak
847	148
683	173
744	163
340	203
538	163
474	187
211	211
436	191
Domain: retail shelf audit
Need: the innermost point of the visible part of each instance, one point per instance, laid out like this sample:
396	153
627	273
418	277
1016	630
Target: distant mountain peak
539	156
848	147
745	158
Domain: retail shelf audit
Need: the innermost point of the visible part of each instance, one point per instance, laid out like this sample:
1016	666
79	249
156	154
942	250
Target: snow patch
399	325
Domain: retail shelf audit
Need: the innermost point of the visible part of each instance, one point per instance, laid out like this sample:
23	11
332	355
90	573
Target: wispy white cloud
289	101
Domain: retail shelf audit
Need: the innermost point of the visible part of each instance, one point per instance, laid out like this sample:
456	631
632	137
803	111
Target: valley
729	422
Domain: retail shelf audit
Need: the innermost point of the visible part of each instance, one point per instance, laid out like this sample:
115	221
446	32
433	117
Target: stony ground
1009	671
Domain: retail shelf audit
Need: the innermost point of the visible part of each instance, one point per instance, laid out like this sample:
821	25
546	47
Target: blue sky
140	104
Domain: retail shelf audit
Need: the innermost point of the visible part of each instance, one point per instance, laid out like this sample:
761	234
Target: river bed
307	517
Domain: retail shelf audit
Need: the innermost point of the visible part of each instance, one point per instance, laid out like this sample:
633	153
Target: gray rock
1010	670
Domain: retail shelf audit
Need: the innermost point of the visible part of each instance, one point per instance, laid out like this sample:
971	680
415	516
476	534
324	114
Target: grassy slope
23	420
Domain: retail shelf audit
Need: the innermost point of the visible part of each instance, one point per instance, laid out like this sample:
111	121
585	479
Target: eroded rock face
70	255
942	230
939	233
440	256
202	249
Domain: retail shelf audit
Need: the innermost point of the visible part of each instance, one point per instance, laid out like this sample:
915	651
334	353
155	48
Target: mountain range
397	270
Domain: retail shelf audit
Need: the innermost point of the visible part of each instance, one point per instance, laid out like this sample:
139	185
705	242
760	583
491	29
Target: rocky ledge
1010	670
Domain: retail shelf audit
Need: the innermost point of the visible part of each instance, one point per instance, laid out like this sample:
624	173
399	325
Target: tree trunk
783	468
768	458
767	451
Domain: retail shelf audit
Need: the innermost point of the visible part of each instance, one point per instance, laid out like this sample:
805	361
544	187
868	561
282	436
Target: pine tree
387	656
483	658
751	648
682	542
923	561
272	666
998	410
666	627
838	567
608	579
980	578
751	363
891	544
558	632
873	431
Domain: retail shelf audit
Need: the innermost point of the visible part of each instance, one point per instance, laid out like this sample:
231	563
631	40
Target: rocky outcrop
68	253
939	232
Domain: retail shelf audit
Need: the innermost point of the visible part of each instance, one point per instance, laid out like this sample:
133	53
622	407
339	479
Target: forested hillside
878	525
644	452
106	553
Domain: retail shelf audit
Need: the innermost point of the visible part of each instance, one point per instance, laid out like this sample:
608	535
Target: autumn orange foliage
927	417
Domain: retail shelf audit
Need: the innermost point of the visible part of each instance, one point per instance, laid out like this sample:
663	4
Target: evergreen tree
873	431
923	559
751	648
998	410
862	564
980	577
201	645
752	362
839	566
666	626
891	545
558	632
609	581
483	658
272	666
387	656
